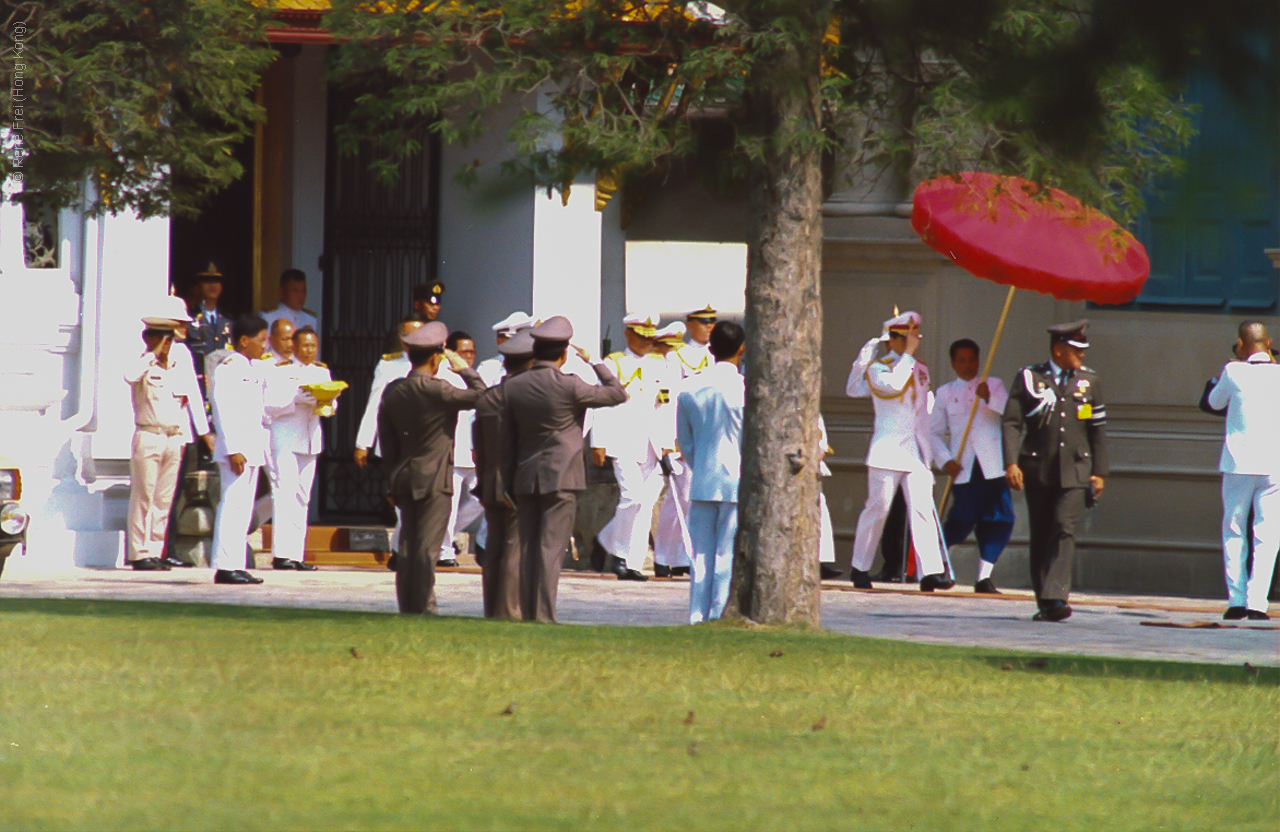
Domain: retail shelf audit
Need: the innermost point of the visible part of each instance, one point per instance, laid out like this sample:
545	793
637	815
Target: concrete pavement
1103	625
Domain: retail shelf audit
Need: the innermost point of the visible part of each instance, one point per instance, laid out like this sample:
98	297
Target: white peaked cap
513	323
901	323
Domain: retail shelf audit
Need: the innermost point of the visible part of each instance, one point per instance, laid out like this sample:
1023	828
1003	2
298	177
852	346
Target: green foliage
186	716
146	100
1038	88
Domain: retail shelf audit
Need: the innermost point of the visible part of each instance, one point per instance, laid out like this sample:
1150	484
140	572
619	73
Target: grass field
157	716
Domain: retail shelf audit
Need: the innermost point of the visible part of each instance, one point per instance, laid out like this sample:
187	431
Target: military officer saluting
635	434
1055	446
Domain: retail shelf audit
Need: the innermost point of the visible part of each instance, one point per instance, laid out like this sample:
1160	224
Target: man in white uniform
238	392
635	434
669	556
293	296
465	508
296	441
1250	391
980	496
491	369
709	427
900	453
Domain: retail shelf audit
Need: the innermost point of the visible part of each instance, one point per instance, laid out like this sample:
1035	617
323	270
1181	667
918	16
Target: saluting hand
457	362
584	354
236	461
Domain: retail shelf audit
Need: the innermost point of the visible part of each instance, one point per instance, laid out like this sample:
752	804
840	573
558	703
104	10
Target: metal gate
380	241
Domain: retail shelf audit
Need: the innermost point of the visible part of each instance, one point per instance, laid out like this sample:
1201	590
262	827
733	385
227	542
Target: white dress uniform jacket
902	440
295	428
387	371
691	359
951	408
239	410
643	424
1250	391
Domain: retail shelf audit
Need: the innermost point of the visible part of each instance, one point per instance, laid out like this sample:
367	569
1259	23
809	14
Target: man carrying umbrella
1055	445
900	454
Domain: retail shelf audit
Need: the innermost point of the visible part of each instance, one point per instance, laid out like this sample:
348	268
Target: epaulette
1090	370
309	312
616	356
320	364
228	358
284	362
391	356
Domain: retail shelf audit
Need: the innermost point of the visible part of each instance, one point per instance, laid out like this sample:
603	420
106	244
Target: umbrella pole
973	411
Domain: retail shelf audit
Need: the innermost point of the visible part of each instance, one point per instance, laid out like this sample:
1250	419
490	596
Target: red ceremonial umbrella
1026	236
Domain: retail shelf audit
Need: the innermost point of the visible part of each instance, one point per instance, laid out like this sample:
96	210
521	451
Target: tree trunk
776	569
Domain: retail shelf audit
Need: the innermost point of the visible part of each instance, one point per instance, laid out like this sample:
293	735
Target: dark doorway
380	242
223	232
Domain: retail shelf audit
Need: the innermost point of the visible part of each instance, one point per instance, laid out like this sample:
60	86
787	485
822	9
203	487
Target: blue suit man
709	432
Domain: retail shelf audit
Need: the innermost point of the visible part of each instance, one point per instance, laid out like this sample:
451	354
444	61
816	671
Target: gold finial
896	313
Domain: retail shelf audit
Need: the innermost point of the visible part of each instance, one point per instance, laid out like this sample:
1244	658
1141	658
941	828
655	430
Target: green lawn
158	716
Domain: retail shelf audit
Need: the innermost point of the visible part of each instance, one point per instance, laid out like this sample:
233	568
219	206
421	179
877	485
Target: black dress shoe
617	566
1257	615
939	581
174	563
661	571
883	577
304	567
985	587
861	580
149	565
1235	614
632	575
234	576
827	572
391	561
283	563
447	562
1053	611
680	571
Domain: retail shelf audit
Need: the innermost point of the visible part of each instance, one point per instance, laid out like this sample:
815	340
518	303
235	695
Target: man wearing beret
417	420
542	451
1055	446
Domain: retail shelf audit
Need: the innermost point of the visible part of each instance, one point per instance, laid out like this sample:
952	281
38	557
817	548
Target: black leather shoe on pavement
1234	614
304	567
447	562
174	563
234	576
827	572
1257	615
283	563
617	566
861	580
985	587
149	565
1053	611
679	571
632	575
661	571
939	581
391	561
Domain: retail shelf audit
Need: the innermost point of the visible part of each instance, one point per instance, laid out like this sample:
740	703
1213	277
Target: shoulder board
228	358
309	312
320	364
284	362
391	356
616	356
1088	370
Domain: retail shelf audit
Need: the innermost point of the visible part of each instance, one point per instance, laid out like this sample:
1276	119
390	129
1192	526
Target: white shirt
298	317
691	359
462	452
1250	391
387	371
643	422
951	407
901	440
294	427
491	371
239	410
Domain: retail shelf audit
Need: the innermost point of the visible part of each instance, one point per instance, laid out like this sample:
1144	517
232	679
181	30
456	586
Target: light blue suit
709	431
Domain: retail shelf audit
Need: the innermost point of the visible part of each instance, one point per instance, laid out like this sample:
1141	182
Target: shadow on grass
1111	668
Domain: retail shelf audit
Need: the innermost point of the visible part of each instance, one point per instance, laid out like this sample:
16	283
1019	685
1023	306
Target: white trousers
464	510
668	541
826	538
153	474
292	475
231	527
1240	492
926	535
712	528
626	536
